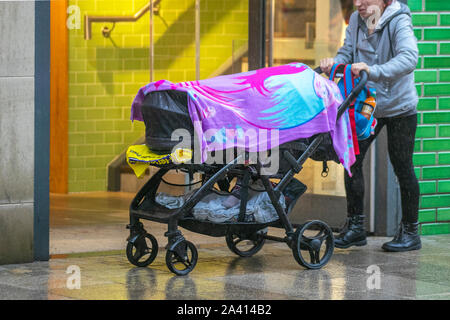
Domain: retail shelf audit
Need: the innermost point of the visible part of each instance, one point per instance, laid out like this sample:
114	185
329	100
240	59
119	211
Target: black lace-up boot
406	239
353	233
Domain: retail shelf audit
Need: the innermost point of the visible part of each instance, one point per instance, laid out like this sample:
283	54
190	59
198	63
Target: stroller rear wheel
313	244
182	258
143	251
246	246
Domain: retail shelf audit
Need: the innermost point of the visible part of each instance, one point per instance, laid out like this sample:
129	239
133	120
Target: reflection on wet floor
219	274
90	222
88	231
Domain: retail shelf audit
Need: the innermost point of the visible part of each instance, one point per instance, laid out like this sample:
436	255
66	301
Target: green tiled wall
431	20
106	73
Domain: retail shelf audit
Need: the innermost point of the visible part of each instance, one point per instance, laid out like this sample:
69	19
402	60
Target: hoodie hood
394	9
391	12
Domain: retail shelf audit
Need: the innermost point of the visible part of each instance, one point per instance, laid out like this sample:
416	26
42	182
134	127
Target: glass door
307	31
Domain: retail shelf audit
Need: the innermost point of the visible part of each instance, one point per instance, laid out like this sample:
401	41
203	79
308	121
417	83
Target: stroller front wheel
182	258
143	251
313	244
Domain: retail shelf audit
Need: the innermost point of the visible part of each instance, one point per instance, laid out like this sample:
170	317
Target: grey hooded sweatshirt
391	53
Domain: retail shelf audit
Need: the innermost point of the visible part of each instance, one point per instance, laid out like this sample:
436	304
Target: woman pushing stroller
380	40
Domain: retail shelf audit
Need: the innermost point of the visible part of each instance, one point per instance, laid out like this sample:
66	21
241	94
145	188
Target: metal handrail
88	20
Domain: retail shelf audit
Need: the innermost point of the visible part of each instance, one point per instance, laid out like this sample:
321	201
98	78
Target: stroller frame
182	256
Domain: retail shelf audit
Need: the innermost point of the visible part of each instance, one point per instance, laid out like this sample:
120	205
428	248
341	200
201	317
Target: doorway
307	31
97	71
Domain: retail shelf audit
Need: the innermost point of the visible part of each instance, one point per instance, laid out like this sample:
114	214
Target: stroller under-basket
312	242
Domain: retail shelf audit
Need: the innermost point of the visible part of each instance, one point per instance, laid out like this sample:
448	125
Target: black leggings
401	133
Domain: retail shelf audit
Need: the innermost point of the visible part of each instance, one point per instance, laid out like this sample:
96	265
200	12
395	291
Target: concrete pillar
17	53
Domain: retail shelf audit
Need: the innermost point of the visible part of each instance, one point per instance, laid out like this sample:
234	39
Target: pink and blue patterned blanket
290	100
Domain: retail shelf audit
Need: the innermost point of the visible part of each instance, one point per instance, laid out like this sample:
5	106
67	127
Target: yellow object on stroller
140	157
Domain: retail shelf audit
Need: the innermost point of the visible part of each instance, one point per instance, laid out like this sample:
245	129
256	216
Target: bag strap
349	84
334	70
348	80
351	115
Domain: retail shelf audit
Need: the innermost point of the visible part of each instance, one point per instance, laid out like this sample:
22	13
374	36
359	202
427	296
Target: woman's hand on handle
358	67
326	65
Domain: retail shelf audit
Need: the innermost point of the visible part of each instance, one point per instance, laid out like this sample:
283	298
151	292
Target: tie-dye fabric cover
291	99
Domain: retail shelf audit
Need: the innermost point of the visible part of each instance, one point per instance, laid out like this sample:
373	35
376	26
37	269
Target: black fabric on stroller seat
164	112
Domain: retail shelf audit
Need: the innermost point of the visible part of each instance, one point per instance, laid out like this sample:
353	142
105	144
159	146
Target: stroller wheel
245	246
182	258
143	251
313	244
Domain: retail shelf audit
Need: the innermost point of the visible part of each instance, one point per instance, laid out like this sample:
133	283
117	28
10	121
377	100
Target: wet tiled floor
90	222
270	274
93	225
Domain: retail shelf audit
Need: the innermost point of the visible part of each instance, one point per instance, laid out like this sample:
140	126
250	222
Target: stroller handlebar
353	94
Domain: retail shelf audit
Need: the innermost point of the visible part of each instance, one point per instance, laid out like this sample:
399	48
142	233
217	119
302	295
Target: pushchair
312	242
